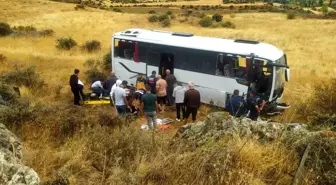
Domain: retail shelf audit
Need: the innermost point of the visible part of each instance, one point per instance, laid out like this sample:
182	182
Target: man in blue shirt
236	105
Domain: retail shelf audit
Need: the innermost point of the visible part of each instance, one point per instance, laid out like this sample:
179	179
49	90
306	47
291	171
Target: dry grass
309	44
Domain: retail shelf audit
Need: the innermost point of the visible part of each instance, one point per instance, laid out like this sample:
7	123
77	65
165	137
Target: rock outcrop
12	171
220	124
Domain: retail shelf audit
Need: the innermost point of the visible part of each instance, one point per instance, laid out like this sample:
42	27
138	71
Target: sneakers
178	120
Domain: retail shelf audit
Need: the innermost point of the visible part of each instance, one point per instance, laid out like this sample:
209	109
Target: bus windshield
280	77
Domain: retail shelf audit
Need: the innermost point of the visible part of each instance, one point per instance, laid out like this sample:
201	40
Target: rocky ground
12	169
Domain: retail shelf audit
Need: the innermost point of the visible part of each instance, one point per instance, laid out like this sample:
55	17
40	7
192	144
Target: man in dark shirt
152	82
171	80
236	105
255	105
74	86
192	100
110	82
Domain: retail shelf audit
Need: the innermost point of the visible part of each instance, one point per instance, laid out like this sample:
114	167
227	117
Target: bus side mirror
287	74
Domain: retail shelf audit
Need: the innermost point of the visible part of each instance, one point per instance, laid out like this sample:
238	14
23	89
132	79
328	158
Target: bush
291	15
94	74
79	6
47	32
206	22
5	29
325	8
163	17
107	61
91	46
169	13
65	43
2	58
153	18
322	108
27	77
152	12
7	93
228	24
166	23
217	17
117	10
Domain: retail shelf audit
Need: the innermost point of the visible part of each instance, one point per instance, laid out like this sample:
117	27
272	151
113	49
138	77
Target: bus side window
124	49
220	65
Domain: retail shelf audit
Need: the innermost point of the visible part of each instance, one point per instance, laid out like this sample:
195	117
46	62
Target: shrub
217	17
325	8
27	77
65	43
2	58
153	18
228	24
166	23
7	93
92	46
163	17
94	74
107	61
79	6
322	108
206	22
169	13
47	32
117	10
152	12
5	29
291	15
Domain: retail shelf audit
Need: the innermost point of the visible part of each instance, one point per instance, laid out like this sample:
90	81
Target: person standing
192	101
110	82
171	80
74	86
255	105
161	92
178	94
120	99
149	106
236	105
152	82
140	82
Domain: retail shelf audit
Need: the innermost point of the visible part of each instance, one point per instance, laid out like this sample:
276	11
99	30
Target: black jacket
74	81
110	82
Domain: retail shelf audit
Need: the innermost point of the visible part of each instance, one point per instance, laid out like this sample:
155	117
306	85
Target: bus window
226	65
124	49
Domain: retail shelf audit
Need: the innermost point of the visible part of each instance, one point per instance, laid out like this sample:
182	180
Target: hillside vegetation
88	145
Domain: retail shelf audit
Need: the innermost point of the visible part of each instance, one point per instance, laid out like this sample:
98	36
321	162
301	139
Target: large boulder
12	171
220	124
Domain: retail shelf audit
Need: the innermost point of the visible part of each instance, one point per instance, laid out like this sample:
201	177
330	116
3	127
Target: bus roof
187	40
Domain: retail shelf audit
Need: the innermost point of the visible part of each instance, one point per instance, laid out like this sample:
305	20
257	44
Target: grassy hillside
310	45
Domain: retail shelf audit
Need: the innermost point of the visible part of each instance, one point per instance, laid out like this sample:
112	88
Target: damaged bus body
216	66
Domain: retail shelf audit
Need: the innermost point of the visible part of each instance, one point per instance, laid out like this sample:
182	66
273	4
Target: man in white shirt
98	89
120	99
178	94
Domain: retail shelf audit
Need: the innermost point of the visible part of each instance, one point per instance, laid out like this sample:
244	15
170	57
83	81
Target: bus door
166	62
153	62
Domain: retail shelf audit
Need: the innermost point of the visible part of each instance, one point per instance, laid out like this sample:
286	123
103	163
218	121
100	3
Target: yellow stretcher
96	102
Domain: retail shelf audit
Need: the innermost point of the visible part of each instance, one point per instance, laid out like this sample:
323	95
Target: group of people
153	93
238	107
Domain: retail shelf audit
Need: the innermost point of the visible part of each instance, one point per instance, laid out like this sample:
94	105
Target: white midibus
217	66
